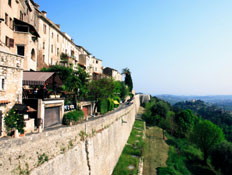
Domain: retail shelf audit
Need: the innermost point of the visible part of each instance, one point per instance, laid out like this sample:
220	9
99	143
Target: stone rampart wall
93	147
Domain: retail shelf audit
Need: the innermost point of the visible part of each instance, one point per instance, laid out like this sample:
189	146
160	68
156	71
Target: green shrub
222	157
118	100
103	106
14	121
73	116
110	104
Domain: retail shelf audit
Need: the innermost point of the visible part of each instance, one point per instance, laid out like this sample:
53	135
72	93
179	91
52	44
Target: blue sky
180	47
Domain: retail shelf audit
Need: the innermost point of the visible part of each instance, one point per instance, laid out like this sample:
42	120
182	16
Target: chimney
44	13
58	25
37	6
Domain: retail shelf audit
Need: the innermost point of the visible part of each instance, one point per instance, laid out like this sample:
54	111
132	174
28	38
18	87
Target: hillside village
30	41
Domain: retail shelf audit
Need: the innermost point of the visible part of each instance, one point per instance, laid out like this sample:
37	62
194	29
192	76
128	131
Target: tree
185	121
128	78
65	73
222	157
155	111
206	135
101	89
73	81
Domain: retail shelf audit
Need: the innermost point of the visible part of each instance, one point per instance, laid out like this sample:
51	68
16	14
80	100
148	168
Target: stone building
112	73
20	26
11	73
53	44
29	41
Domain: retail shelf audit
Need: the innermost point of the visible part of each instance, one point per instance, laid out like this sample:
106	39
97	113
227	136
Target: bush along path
130	160
155	151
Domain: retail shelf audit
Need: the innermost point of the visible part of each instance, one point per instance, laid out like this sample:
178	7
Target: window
9	3
57	38
58	51
52	48
52	34
7	41
6	19
11	42
43	45
45	29
33	54
21	15
96	62
43	58
21	28
11	23
20	50
2	85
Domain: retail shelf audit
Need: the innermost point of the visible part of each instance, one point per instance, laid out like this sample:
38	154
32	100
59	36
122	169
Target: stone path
155	151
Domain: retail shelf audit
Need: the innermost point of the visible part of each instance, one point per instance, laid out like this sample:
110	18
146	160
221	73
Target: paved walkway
155	151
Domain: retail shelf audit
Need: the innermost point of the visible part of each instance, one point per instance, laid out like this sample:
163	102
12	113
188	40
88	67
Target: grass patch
132	152
183	158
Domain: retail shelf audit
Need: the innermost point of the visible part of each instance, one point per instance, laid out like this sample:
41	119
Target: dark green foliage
128	79
184	158
73	116
103	106
116	98
101	89
14	121
206	135
73	81
65	73
124	91
222	157
155	111
176	164
185	121
110	104
214	114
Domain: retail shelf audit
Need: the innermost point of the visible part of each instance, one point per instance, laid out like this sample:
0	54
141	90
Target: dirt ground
155	151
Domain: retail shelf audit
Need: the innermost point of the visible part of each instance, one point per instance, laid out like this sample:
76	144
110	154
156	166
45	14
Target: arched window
33	54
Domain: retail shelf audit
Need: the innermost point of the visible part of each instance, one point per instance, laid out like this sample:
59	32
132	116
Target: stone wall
11	70
144	98
93	147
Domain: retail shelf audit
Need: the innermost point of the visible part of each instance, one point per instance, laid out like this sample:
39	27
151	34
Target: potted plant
14	123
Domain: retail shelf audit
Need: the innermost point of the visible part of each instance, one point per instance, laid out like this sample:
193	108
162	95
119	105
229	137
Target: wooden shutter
11	42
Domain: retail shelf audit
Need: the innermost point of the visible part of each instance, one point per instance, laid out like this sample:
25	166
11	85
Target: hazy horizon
171	47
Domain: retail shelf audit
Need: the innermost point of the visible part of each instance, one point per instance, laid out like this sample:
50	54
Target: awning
36	78
33	31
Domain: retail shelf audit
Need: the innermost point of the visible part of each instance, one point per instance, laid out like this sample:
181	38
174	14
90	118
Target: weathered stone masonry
11	70
91	148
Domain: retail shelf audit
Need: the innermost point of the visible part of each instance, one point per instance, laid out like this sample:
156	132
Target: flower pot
16	133
52	96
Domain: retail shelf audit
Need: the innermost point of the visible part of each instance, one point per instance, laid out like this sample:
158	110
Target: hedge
73	116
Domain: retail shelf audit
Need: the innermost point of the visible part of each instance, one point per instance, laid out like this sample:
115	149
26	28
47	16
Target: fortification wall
93	147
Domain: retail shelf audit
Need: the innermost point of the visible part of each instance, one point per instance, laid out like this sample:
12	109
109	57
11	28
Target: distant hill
217	115
222	101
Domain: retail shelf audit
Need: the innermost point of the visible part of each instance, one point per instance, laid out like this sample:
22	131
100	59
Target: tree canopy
206	135
185	121
222	157
128	78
